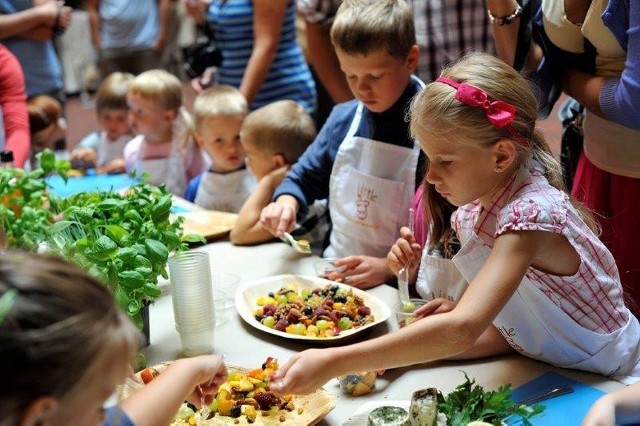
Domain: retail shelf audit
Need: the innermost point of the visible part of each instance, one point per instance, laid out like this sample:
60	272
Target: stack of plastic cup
192	298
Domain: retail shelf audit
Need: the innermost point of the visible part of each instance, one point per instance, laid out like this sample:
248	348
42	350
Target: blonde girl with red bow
539	280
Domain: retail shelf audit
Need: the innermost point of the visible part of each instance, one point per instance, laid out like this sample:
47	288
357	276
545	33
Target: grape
281	325
363	311
344	323
269	321
266	400
322	324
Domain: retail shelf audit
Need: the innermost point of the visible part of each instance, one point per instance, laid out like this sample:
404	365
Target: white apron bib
439	278
108	151
370	188
536	327
224	192
169	171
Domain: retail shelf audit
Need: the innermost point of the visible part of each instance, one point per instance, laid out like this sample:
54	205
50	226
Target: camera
201	55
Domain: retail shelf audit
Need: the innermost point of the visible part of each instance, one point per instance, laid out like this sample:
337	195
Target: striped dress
289	76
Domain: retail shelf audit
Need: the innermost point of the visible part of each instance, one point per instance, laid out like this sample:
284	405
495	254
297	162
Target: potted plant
123	239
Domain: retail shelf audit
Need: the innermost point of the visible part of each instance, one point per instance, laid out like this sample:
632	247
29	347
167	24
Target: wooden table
243	345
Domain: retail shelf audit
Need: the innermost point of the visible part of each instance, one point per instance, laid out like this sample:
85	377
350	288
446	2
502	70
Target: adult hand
280	216
197	10
406	251
362	271
302	374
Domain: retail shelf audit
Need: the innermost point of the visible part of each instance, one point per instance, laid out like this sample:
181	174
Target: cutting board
564	410
208	223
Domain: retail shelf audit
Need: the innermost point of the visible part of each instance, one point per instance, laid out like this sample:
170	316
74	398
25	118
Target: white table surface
246	346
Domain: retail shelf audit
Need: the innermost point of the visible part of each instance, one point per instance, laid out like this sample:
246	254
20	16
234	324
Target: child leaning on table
164	147
363	160
65	346
218	113
540	281
103	150
273	138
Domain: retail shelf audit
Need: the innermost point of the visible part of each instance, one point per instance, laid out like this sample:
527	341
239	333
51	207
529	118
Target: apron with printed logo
169	171
370	192
536	327
224	192
439	277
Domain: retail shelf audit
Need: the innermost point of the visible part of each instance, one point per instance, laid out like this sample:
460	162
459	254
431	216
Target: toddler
219	112
103	150
164	147
46	125
273	138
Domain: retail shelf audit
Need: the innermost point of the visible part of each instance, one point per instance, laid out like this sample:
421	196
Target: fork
403	273
301	246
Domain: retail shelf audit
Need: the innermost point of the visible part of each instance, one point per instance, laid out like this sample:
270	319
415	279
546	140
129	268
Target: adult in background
14	121
261	56
129	35
607	180
27	29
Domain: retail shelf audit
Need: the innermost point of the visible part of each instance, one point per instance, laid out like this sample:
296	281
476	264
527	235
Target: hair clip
499	113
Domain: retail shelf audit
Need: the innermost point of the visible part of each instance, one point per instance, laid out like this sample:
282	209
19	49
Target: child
164	147
273	137
540	281
66	345
103	150
219	112
46	125
363	160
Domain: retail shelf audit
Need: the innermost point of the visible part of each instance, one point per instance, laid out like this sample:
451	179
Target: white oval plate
248	293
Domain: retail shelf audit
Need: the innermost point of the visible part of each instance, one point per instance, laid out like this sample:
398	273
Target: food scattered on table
388	416
358	384
245	399
320	312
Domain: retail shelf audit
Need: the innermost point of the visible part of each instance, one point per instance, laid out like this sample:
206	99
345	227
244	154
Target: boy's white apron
370	192
169	171
224	192
538	328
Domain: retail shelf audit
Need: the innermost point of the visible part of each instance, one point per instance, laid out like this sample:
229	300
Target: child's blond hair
165	90
281	127
435	112
219	101
363	26
112	93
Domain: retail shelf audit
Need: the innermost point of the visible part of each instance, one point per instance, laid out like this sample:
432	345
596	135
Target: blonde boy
363	159
219	113
273	138
104	149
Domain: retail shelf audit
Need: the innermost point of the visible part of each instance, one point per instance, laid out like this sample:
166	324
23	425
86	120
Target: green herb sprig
470	402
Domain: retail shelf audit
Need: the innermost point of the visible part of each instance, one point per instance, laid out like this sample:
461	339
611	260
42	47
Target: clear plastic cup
404	311
226	283
325	267
222	305
192	298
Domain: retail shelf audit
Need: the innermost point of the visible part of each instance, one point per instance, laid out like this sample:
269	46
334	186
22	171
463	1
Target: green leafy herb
470	402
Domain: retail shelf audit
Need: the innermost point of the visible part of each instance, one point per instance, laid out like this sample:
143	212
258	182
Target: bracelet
504	20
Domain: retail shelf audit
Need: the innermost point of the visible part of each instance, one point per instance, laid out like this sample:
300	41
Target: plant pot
146	332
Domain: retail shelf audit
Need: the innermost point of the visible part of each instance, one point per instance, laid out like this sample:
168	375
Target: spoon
301	246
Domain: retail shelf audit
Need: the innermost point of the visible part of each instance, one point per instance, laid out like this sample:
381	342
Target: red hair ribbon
499	113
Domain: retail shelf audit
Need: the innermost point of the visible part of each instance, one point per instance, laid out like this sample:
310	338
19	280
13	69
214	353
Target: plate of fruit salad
309	308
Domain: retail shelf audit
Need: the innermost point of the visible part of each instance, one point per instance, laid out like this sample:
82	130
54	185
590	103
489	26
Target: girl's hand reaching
303	373
362	271
405	252
209	373
435	306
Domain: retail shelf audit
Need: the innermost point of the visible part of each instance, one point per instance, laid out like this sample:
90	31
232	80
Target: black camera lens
200	56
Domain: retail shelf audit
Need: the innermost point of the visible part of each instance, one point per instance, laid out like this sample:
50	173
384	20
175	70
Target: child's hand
209	373
406	251
363	271
601	413
303	373
435	306
280	216
86	156
113	167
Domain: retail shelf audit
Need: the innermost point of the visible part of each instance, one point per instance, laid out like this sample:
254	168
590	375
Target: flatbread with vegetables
245	399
